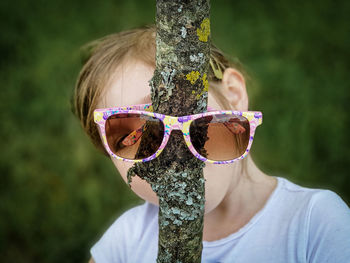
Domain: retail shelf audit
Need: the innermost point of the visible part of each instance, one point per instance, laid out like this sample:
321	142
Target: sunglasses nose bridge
172	123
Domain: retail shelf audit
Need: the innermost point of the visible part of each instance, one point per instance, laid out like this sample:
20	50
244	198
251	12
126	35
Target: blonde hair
102	57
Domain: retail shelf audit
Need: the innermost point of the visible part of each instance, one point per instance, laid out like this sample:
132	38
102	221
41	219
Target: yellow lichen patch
205	82
204	32
200	95
193	76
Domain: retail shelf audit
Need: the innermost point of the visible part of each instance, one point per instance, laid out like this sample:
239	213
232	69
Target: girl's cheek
138	186
218	179
143	190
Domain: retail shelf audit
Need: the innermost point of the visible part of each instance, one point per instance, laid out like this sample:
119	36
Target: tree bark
179	87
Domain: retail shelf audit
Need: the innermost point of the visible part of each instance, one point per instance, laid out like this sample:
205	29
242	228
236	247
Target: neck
248	192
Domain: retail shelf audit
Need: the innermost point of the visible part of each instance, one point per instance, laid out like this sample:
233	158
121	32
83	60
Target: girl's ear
234	89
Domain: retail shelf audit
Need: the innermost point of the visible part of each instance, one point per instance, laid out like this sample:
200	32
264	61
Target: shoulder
317	203
313	198
329	229
289	192
329	206
114	244
325	218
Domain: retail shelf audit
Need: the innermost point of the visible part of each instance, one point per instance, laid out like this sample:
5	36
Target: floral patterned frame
174	123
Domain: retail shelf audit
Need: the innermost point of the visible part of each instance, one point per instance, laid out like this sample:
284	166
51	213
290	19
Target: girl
249	215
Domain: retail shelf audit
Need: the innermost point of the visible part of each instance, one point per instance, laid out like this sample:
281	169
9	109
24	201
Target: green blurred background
58	194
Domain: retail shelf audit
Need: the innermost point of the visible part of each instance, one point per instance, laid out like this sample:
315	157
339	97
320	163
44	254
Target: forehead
128	85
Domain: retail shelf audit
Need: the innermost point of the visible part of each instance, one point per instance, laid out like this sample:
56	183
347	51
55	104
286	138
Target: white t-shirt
297	224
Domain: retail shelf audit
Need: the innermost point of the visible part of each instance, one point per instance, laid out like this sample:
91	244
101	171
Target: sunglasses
136	134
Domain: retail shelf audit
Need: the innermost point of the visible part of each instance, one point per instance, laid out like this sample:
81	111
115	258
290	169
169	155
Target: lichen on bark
179	87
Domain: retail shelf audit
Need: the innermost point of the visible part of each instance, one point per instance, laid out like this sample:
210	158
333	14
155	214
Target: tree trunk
179	87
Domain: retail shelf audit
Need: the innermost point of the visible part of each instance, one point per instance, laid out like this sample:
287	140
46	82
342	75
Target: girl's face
129	86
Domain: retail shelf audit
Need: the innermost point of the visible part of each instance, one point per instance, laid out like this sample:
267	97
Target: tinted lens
134	136
227	136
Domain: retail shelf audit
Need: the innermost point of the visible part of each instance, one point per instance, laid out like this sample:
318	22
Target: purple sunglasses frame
174	123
